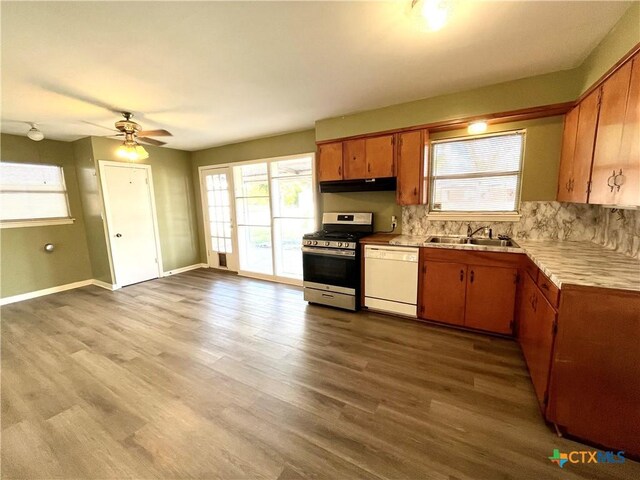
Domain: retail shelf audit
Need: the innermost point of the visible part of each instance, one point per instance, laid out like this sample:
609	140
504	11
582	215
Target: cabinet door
330	162
491	296
585	141
380	156
409	169
355	164
606	158
536	336
629	193
443	292
566	157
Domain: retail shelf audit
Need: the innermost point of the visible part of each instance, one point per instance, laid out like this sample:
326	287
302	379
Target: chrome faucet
471	233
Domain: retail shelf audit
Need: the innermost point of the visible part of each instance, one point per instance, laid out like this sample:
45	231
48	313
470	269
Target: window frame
473	215
42	221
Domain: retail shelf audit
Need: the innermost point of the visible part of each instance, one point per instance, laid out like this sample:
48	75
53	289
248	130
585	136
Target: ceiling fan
133	132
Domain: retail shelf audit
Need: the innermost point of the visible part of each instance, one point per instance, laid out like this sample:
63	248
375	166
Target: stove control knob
315	242
327	243
340	244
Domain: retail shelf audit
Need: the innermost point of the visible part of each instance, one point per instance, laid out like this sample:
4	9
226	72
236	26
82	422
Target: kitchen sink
485	242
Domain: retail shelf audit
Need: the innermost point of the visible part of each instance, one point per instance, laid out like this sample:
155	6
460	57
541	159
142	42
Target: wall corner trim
185	269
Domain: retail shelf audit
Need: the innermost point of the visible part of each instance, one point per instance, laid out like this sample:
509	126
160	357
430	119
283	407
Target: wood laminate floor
207	375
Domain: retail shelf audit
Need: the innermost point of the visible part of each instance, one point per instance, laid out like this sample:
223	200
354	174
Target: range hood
363	185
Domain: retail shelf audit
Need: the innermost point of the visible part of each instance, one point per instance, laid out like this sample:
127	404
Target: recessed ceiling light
475	128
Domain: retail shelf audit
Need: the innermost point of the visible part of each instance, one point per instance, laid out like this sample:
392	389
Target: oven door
326	269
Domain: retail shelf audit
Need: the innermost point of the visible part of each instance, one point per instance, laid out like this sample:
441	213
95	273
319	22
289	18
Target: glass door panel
219	218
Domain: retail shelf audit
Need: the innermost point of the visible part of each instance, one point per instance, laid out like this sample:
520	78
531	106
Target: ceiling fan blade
150	141
98	125
114	135
155	133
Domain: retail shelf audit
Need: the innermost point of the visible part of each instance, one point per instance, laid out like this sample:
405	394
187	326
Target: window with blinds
479	174
32	192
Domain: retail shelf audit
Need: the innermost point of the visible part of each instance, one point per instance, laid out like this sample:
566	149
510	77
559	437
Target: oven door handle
329	252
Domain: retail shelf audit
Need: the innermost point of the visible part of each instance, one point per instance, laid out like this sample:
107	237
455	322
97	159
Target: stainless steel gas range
331	260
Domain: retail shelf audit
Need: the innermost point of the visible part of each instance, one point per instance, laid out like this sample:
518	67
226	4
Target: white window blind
480	174
32	192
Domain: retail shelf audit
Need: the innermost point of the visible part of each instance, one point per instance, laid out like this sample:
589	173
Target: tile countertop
576	263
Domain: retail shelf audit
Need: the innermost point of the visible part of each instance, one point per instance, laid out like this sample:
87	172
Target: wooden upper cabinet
442	295
566	157
379	153
491	296
629	181
330	162
411	188
355	161
585	141
607	160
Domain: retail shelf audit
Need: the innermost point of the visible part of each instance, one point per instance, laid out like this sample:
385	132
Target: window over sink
478	175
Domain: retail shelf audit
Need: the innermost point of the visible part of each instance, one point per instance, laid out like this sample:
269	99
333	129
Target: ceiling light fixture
131	150
35	134
475	128
434	13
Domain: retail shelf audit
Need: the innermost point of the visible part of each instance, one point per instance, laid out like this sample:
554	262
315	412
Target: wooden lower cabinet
471	289
443	292
594	391
491	296
537	320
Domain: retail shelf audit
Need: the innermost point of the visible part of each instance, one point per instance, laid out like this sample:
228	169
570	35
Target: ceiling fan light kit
130	149
34	133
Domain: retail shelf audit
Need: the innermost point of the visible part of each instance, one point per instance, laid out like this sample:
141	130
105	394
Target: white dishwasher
391	279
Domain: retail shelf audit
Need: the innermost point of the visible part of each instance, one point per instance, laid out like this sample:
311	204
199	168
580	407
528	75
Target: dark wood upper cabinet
330	162
355	161
380	156
491	296
411	184
442	295
610	167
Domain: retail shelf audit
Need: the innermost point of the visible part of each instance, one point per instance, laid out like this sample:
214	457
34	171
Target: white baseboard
185	269
46	291
59	288
105	285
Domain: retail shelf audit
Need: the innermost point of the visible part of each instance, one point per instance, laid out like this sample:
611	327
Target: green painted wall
541	155
175	197
24	265
546	89
92	210
382	204
620	40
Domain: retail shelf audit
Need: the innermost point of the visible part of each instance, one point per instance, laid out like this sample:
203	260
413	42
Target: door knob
118	235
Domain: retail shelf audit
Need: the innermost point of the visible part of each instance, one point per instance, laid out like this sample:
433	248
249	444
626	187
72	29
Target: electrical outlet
394	221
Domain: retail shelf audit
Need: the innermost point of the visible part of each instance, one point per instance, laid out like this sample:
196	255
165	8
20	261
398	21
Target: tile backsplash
615	229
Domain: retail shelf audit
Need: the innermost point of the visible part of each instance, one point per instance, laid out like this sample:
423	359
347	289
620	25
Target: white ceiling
219	72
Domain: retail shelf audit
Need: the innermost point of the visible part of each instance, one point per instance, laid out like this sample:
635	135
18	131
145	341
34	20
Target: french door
276	205
218	212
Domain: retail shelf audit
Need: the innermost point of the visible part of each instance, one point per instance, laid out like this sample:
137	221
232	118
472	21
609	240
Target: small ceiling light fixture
131	150
434	13
478	127
35	134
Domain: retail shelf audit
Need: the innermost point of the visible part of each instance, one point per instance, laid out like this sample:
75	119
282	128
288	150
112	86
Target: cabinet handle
612	177
369	167
588	187
461	275
415	191
566	186
615	180
472	276
545	286
340	171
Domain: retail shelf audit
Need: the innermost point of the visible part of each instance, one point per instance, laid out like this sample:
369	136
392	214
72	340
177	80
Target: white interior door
216	186
131	222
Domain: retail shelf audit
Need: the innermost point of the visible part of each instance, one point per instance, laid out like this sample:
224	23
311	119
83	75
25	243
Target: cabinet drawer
530	268
549	290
